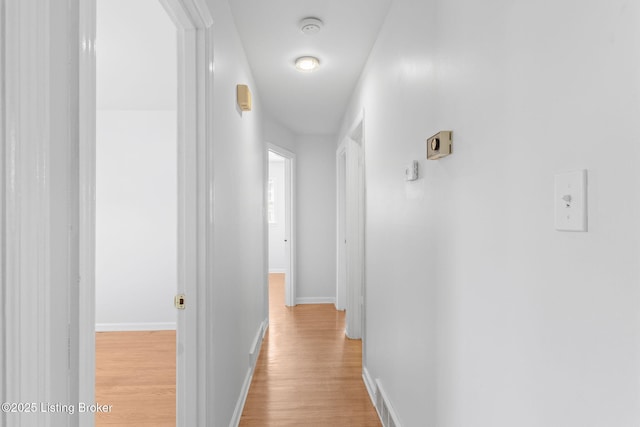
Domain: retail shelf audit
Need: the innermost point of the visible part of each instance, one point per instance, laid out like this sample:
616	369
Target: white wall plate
570	200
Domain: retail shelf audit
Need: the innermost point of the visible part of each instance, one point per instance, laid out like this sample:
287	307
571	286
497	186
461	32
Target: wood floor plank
308	373
136	374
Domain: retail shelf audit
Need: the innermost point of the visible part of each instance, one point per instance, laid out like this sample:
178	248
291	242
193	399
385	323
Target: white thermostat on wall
411	171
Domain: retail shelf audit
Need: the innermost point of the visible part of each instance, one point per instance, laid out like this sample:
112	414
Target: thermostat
411	171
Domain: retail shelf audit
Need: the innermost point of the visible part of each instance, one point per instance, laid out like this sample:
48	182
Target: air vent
384	408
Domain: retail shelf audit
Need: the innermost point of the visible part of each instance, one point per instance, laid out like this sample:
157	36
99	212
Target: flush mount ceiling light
310	25
307	63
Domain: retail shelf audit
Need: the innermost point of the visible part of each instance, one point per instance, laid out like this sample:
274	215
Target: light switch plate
570	197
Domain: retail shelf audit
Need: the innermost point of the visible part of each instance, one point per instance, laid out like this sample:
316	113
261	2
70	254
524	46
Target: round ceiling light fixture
310	25
307	63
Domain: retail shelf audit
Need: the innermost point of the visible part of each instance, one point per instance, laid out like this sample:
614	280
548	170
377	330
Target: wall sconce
439	145
243	95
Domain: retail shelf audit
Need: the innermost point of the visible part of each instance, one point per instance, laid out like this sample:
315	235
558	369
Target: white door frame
354	210
195	204
290	221
3	298
341	238
39	275
3	221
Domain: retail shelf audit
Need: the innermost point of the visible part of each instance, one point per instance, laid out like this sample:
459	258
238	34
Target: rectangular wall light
243	95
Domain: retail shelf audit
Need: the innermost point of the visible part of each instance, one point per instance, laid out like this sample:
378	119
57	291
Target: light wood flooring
308	372
136	374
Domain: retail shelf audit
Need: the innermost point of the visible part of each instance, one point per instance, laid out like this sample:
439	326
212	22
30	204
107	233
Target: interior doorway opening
193	26
136	246
280	212
276	219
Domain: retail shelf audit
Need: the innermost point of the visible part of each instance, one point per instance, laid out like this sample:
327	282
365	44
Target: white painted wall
136	55
240	233
136	193
277	229
316	219
479	313
278	134
136	219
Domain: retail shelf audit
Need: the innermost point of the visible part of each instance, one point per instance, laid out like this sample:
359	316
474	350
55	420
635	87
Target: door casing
341	238
195	204
353	209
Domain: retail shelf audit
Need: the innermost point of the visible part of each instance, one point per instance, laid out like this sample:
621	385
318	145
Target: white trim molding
40	241
254	352
87	210
3	181
355	229
384	408
316	300
370	384
242	399
341	238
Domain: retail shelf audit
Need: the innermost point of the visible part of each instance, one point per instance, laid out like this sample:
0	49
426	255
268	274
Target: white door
355	238
290	298
351	229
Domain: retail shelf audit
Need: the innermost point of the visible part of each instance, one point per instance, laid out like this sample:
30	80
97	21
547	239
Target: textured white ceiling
136	56
308	103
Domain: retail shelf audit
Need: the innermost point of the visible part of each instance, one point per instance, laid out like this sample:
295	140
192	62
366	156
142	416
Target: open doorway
193	26
136	271
281	220
350	283
276	219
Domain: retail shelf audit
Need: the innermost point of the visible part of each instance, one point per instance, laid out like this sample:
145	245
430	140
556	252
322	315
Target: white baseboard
254	352
244	392
370	384
277	270
127	327
316	300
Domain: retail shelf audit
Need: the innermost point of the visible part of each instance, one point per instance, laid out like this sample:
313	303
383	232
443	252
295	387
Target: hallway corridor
308	372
